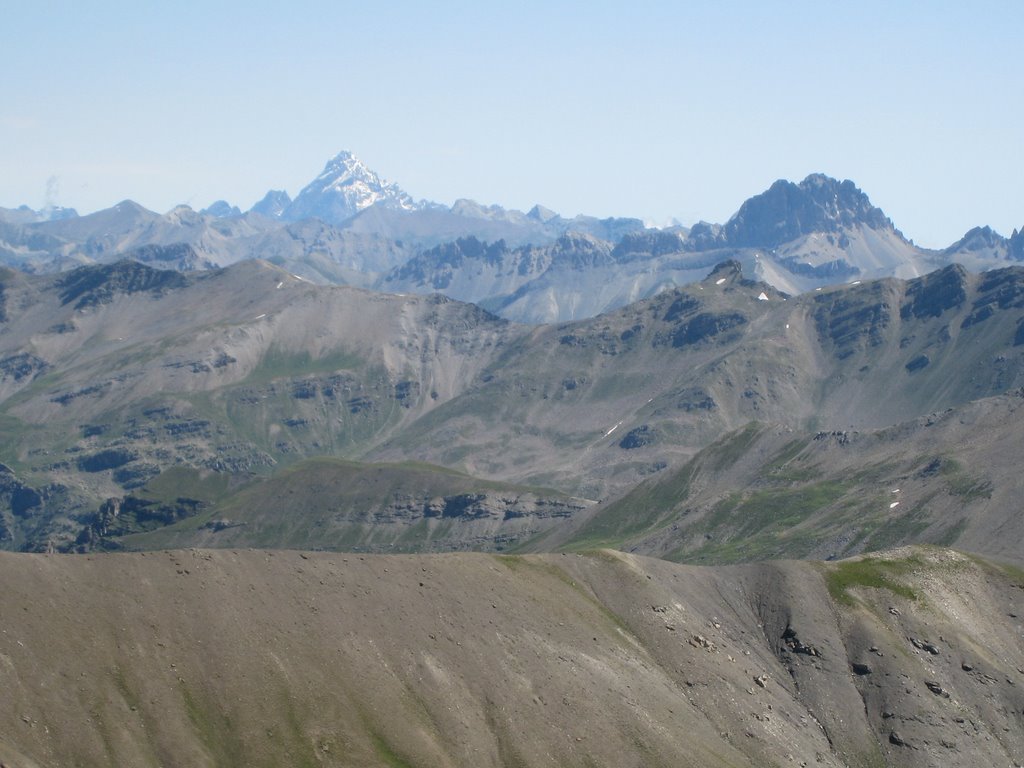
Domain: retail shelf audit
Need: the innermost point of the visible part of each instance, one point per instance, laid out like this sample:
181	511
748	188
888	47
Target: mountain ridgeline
349	226
172	393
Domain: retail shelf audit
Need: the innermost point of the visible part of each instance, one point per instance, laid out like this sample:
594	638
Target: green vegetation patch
901	528
763	525
214	729
784	467
322	502
773	509
789	451
202	485
522	563
278	363
964	485
387	753
872	572
640	511
731	448
12	433
952	534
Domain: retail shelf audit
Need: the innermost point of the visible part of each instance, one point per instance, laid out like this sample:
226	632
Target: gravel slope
202	658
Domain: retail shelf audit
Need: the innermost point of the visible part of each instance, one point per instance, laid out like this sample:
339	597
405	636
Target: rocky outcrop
640	437
23	365
787	211
706	326
118	517
181	257
89	286
1015	246
933	294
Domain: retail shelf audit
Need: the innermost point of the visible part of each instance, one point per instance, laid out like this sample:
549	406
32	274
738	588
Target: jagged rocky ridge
349	226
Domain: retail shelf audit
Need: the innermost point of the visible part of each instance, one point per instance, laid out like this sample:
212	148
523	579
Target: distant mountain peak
221	209
978	239
345	187
730	271
541	214
343	168
786	211
1015	245
273	204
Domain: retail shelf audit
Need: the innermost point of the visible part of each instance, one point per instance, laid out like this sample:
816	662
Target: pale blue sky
649	109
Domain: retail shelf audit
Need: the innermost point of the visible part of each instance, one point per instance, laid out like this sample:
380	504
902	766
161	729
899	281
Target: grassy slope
765	493
328	503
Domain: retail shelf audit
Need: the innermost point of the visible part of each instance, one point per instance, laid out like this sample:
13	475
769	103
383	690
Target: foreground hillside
202	658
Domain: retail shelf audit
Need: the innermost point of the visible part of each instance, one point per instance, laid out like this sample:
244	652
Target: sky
657	110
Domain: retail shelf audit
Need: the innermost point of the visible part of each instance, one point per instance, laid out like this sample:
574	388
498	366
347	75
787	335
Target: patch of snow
762	296
280	284
855	282
260	317
719	281
894	505
895	490
612	429
787	326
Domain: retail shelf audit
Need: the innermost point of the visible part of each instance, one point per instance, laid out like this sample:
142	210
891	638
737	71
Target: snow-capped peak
345	187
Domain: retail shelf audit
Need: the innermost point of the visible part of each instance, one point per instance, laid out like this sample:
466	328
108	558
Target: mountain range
351	479
111	377
351	227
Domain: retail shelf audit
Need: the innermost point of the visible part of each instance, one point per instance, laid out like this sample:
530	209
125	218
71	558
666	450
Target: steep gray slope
110	375
690	365
197	658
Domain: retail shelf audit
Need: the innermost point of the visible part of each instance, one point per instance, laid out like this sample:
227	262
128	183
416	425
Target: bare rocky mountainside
228	658
147	408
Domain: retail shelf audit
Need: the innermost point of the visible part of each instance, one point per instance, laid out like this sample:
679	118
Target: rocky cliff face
787	211
1015	246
